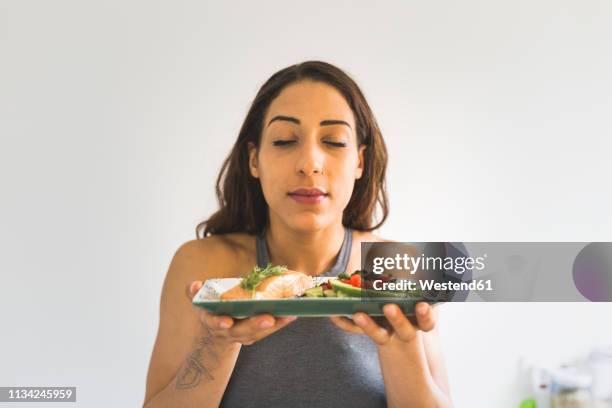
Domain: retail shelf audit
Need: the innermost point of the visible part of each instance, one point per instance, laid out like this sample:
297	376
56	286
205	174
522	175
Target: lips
308	192
308	195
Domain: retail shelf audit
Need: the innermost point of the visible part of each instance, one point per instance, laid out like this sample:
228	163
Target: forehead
311	101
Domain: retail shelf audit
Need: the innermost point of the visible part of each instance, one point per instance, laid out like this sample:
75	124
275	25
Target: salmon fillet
288	284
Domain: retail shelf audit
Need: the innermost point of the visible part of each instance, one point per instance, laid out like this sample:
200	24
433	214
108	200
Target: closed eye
282	142
336	144
288	142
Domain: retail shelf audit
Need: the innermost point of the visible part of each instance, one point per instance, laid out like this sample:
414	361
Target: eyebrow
291	119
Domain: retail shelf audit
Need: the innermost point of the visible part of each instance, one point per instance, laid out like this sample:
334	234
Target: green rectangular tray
307	306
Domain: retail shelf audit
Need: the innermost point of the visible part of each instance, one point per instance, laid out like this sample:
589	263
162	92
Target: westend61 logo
491	271
423	262
435	270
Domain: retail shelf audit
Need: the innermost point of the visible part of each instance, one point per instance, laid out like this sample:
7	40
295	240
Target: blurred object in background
534	382
584	383
599	363
540	386
571	387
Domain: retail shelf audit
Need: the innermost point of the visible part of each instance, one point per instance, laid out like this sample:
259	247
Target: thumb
192	288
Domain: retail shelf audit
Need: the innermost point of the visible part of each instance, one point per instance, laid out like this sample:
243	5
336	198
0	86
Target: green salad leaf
254	278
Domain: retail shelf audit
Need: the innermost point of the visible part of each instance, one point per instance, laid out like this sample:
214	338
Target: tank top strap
339	266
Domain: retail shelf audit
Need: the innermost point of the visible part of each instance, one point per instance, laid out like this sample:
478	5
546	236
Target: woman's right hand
226	330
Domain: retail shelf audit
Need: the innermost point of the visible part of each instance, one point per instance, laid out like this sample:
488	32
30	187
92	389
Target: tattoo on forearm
198	364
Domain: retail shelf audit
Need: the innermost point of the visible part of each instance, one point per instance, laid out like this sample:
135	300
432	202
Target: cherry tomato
356	280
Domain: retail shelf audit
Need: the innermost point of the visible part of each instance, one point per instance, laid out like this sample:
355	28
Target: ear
361	164
253	159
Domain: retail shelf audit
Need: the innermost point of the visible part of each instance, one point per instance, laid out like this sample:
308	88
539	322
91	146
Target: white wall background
115	117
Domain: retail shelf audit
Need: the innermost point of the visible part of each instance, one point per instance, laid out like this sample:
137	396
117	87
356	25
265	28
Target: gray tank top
309	363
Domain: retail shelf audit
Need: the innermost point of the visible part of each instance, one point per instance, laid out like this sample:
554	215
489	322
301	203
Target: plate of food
283	292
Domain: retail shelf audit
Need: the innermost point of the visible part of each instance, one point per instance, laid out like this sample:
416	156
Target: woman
300	188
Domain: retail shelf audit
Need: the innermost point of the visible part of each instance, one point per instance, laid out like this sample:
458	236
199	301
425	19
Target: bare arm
188	366
435	357
415	373
410	358
195	352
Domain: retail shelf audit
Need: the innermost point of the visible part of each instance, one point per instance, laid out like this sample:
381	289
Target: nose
310	160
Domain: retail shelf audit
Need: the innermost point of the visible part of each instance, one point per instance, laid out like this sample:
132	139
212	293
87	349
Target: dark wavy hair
242	207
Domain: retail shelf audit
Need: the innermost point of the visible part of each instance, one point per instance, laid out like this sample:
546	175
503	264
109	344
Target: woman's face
308	142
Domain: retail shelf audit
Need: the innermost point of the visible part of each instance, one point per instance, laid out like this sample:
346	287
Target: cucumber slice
341	294
345	288
317	291
329	293
352	291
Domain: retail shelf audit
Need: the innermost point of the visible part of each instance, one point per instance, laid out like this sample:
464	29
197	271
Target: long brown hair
241	200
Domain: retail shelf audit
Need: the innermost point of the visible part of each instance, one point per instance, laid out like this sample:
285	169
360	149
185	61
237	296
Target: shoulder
217	256
234	244
358	238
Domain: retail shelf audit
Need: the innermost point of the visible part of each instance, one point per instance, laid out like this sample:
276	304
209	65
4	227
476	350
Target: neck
312	252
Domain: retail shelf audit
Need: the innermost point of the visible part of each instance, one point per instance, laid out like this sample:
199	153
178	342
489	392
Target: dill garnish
254	278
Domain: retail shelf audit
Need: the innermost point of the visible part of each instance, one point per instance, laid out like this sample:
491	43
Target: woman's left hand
401	329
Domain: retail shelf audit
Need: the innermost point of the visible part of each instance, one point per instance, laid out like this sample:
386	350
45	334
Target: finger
280	323
369	327
424	316
218	324
346	324
246	327
193	288
383	322
401	325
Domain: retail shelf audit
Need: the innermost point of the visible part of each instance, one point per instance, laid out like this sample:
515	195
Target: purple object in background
592	271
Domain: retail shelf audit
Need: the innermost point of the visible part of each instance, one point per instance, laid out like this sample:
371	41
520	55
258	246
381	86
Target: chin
308	221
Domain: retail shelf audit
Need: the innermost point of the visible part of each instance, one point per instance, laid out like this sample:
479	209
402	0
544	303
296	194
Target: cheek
347	188
271	176
344	181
